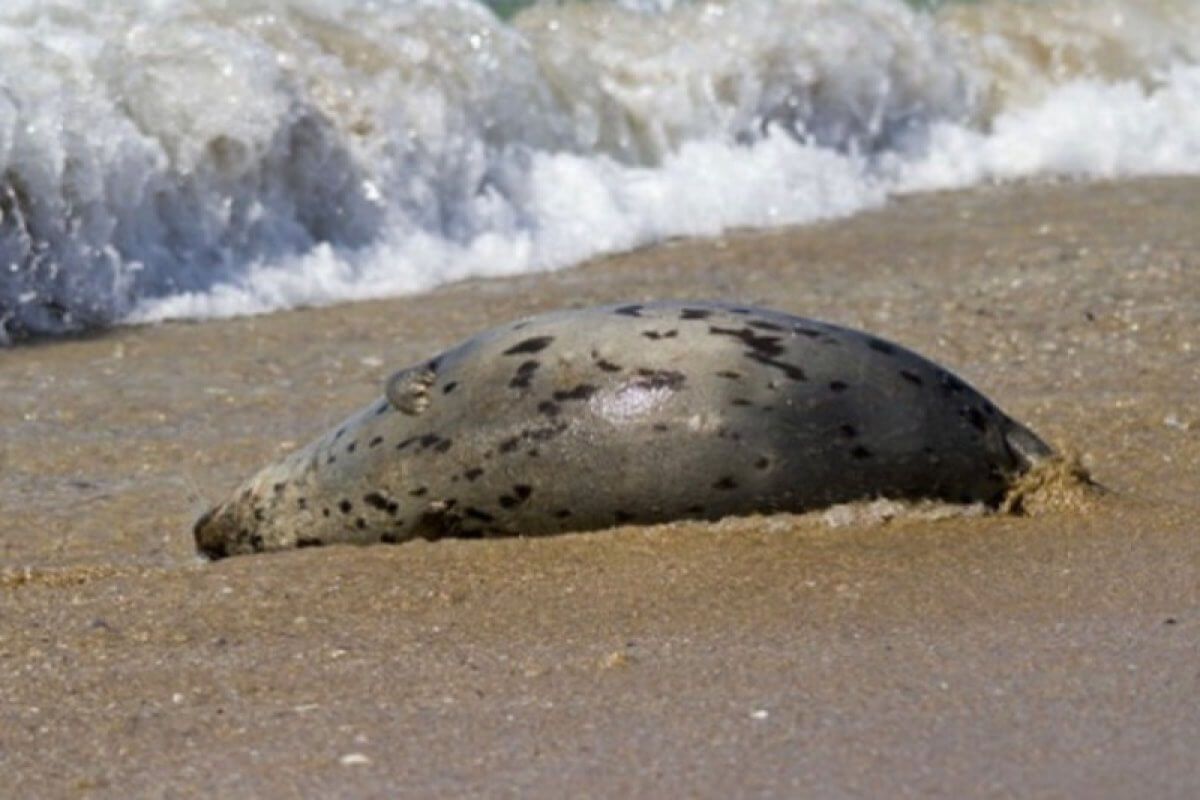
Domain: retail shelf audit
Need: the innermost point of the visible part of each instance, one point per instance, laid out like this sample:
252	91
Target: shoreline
1045	655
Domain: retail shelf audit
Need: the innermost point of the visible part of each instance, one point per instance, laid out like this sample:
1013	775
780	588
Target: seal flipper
1026	446
408	390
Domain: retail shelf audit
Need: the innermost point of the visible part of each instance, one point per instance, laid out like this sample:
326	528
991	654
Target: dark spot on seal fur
432	440
976	419
726	483
629	311
545	433
762	463
656	335
740	401
475	513
660	427
581	392
765	345
360	523
659	379
607	366
849	431
346	506
472	473
375	442
305	541
406	442
449	387
383	407
350	448
339	433
302	503
880	346
695	313
730	374
535	345
950	384
420	491
520	493
549	408
524	374
838	386
790	370
279	487
763	349
911	377
324	512
509	444
377	500
860	452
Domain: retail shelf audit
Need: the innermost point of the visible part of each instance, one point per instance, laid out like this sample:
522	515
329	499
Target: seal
637	413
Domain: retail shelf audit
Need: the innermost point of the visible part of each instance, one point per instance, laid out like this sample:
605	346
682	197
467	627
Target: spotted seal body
642	413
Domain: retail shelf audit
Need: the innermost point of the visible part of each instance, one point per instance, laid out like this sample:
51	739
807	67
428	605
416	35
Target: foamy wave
582	206
1083	129
171	158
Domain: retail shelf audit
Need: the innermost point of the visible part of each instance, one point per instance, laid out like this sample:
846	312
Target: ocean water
198	158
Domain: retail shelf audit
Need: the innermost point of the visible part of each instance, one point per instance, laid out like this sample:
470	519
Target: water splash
172	158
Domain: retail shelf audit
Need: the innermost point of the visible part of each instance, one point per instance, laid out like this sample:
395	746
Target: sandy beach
1055	654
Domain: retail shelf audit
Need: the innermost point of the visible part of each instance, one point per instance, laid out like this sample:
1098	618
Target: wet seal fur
637	413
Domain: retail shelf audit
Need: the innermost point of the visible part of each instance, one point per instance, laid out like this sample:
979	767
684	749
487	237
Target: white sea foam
1084	128
171	158
582	206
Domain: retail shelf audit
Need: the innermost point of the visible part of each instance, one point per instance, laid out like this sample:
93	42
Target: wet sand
1049	655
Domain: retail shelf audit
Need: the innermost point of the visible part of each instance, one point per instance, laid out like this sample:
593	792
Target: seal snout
208	540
